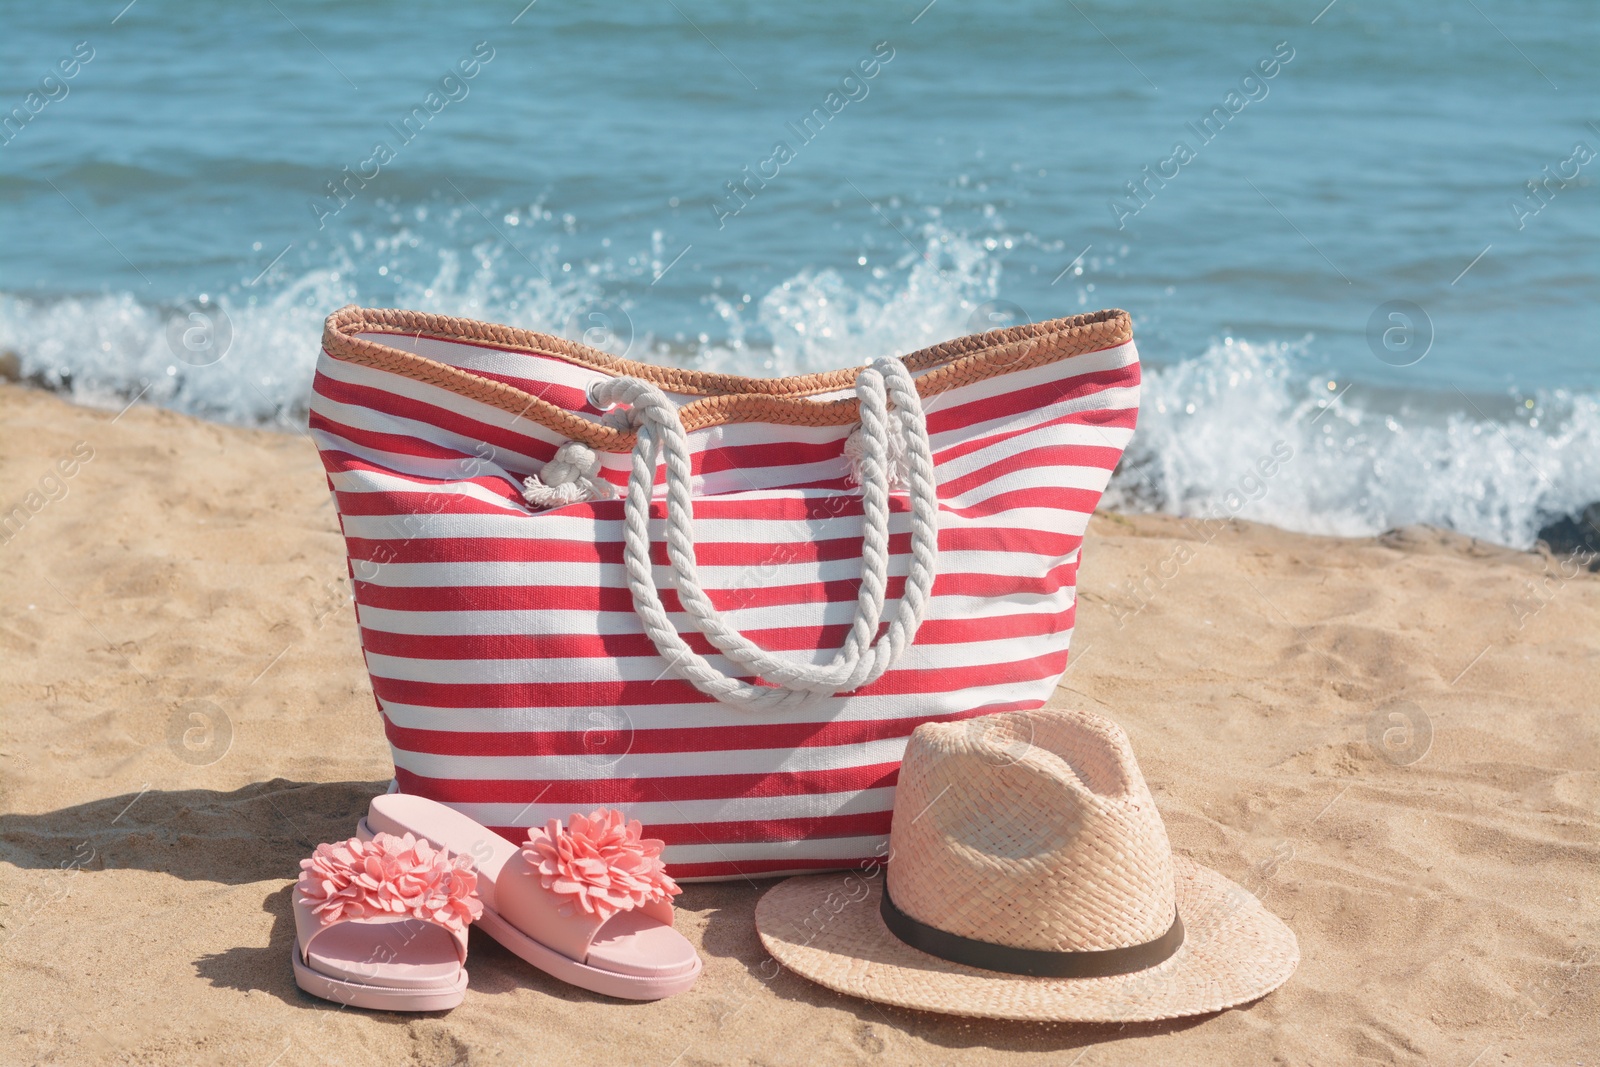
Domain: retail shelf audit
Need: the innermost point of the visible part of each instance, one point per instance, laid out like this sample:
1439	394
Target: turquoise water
1343	255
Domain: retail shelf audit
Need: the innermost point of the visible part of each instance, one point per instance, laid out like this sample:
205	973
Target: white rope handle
886	388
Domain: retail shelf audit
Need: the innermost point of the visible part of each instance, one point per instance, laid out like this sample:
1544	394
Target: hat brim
827	928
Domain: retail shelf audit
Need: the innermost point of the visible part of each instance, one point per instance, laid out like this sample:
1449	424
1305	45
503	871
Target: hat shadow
958	1032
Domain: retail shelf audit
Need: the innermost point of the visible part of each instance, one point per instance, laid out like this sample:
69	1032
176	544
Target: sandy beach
1393	741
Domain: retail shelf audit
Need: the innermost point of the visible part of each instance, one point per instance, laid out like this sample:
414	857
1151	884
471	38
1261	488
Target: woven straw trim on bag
724	398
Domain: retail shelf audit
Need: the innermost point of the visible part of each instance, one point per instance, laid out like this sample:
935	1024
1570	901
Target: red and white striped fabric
515	680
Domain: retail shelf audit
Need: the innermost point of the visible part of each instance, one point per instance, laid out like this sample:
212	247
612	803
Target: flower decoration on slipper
390	876
600	862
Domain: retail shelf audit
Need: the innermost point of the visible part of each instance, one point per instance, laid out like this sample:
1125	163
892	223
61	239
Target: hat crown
1030	829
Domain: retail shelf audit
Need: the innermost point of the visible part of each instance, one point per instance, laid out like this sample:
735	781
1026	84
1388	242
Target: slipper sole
376	998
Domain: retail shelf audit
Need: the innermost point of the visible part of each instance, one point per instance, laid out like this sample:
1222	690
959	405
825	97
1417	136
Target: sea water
1358	240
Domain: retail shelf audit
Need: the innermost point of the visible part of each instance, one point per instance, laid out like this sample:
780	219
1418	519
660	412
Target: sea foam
1344	458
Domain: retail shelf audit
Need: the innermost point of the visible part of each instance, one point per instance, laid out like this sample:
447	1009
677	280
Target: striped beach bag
718	603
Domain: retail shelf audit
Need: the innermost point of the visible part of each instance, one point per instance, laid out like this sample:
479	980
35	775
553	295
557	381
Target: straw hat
1030	877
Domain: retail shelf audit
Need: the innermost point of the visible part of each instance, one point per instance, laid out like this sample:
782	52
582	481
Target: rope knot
899	471
569	478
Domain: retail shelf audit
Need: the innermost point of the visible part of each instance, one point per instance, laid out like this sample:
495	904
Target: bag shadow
256	833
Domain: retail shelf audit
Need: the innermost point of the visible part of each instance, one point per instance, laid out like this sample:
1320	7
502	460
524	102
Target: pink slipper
588	903
382	923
